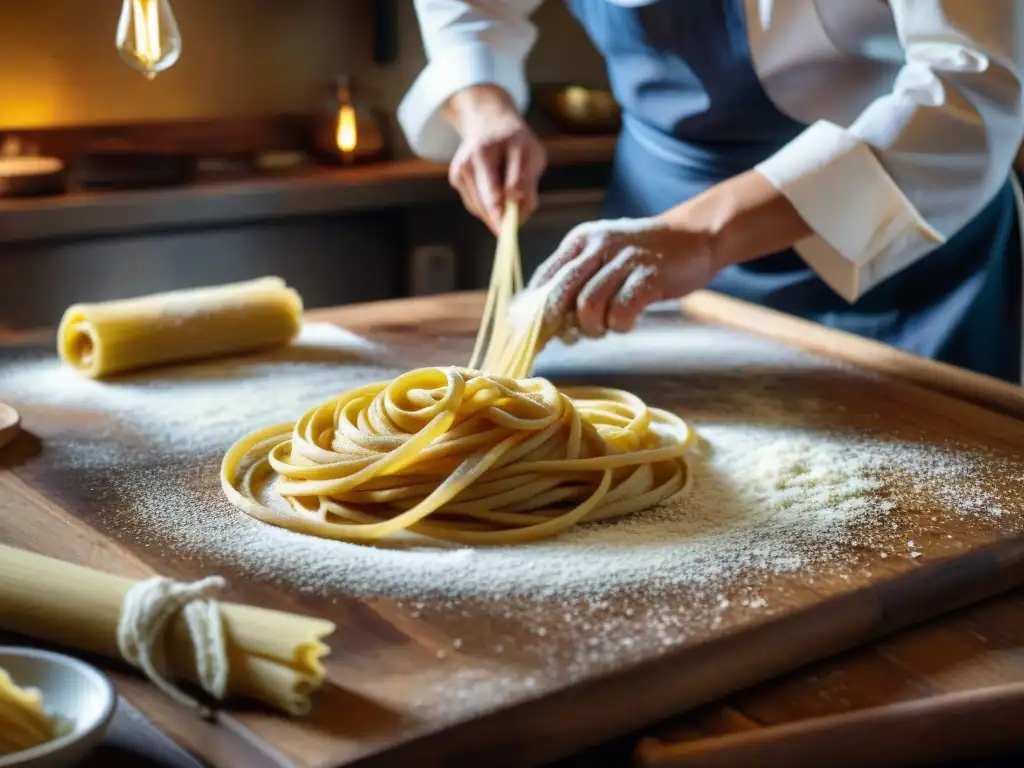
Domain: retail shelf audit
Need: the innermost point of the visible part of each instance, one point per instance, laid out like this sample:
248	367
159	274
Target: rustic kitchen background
221	168
225	166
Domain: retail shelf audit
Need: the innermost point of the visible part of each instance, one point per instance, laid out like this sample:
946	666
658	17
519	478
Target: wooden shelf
309	191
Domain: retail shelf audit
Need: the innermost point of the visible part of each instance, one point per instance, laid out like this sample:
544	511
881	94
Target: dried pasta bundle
274	657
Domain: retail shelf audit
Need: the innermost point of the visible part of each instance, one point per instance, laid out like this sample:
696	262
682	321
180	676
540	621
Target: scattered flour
773	492
789	486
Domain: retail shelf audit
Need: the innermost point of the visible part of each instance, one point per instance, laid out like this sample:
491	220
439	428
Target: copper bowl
577	109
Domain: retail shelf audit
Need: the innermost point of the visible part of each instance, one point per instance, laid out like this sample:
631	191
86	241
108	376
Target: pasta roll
106	338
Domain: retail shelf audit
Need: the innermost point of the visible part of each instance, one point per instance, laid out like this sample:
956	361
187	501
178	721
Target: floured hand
605	273
553	326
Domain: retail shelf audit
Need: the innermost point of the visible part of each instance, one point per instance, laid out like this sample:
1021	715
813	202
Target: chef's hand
499	159
605	273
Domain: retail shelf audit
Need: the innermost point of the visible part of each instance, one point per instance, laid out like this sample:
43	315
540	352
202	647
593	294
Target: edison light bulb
147	36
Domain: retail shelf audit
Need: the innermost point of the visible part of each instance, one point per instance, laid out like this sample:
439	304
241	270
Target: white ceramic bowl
76	693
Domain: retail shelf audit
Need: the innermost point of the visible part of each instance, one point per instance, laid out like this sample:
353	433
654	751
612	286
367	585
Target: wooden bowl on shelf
32	176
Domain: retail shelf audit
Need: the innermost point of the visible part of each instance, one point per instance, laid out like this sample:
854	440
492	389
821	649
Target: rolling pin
952	726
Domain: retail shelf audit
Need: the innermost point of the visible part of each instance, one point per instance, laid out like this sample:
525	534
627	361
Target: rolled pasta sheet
113	337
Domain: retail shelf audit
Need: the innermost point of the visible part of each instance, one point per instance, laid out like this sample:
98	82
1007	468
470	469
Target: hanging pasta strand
508	339
506	279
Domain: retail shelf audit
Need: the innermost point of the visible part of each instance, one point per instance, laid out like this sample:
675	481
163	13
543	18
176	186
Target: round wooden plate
10	420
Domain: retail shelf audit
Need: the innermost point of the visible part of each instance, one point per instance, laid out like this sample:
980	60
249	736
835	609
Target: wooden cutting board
457	676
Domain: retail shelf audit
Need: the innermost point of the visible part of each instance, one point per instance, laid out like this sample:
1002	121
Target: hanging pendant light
147	36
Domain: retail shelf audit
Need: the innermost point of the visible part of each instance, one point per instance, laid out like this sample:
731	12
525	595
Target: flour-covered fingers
565	286
572	245
643	287
605	273
596	297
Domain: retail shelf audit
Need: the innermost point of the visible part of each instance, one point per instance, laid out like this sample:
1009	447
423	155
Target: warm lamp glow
147	36
147	32
346	135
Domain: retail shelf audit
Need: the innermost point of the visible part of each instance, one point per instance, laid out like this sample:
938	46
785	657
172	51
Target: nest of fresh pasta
477	455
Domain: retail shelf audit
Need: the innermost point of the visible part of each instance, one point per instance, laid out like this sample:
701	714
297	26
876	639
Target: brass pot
576	109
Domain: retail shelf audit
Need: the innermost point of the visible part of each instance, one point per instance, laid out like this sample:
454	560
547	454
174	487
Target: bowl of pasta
53	708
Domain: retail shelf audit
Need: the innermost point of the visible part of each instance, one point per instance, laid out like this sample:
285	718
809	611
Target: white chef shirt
913	107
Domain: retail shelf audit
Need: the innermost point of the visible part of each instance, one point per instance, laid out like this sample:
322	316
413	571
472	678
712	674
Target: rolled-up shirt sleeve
467	42
921	161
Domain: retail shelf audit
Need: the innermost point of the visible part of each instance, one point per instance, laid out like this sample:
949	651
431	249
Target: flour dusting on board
779	488
773	492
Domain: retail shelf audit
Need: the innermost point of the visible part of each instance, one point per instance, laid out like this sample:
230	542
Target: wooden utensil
955	726
10	422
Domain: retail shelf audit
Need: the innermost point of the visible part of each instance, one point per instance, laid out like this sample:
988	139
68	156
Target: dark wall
331	259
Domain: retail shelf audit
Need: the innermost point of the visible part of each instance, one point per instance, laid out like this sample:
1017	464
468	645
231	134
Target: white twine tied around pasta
149	607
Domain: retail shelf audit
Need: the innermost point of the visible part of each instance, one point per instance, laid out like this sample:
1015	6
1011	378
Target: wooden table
567	715
968	653
970	650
